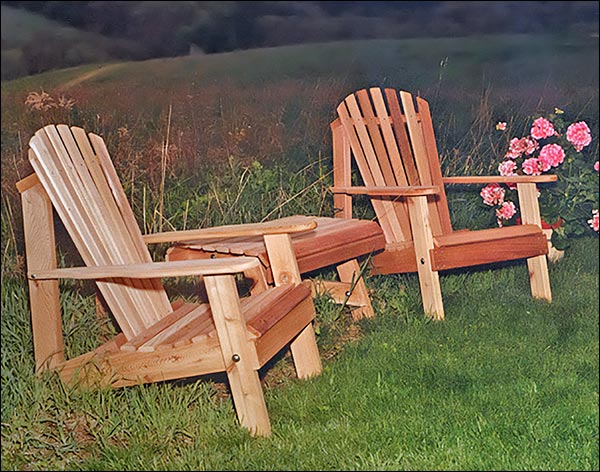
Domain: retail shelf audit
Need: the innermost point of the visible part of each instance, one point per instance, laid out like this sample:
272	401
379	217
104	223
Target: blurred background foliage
42	35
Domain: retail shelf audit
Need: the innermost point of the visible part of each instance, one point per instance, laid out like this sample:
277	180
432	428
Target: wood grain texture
151	270
298	223
40	247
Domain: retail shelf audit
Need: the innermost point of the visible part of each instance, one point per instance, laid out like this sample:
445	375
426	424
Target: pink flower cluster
543	149
507	167
492	194
550	155
532	166
518	147
579	135
506	211
542	129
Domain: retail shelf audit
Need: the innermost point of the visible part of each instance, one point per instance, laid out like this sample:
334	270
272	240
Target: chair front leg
429	279
538	265
239	354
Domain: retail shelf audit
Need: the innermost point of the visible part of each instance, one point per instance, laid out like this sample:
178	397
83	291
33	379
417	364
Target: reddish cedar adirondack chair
393	146
160	340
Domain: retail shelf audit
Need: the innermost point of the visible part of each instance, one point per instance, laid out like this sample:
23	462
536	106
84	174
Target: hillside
32	43
274	105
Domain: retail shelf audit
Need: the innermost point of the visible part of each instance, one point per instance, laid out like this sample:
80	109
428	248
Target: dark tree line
170	28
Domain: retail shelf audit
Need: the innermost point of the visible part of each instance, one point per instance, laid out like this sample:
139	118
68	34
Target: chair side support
40	246
429	279
538	266
285	270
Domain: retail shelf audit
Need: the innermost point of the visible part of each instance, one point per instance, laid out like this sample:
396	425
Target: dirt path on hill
87	76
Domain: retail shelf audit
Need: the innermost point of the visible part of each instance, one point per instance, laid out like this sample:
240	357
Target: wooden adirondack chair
393	146
160	340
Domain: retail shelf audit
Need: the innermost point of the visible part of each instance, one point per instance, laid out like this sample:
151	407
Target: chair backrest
77	173
393	144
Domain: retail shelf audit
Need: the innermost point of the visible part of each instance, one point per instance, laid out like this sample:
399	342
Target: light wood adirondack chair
394	148
160	340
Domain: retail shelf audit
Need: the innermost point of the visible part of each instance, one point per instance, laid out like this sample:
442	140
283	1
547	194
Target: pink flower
516	147
501	125
551	155
579	135
507	168
596	168
506	211
542	128
531	145
492	194
532	166
594	221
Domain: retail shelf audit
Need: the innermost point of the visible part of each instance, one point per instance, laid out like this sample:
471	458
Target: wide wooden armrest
413	191
152	270
507	179
290	224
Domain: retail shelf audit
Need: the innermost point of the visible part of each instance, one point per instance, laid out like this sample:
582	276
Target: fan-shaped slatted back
78	175
393	144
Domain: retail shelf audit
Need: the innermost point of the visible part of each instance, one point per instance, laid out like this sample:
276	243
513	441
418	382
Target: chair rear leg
539	278
305	354
349	272
40	246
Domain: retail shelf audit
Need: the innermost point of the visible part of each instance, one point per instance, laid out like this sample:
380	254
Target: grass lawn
504	383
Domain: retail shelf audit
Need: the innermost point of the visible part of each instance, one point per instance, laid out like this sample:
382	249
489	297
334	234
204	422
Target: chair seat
193	323
334	240
467	248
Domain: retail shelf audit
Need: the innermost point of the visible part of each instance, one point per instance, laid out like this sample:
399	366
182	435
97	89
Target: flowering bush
554	147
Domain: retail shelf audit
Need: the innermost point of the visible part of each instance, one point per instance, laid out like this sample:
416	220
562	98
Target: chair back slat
119	199
393	144
399	125
374	136
366	161
98	161
393	155
72	176
434	164
415	132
